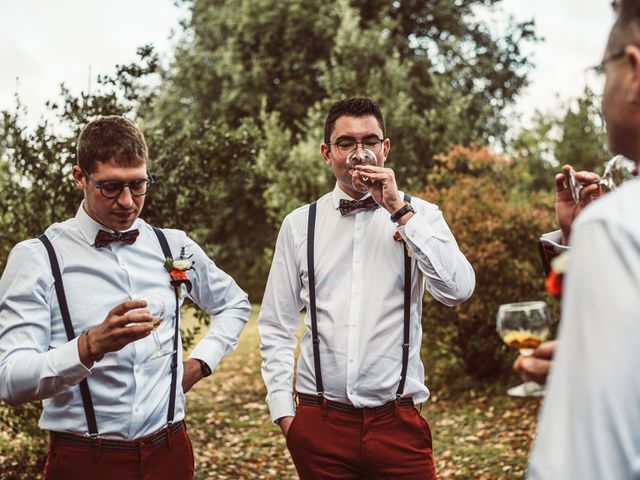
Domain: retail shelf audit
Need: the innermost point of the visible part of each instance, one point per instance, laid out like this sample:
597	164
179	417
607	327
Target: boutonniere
177	269
554	282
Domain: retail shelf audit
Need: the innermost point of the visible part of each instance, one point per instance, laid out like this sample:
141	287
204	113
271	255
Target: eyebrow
120	181
366	137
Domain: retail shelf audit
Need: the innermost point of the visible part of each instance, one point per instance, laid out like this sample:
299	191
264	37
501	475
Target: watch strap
403	211
204	368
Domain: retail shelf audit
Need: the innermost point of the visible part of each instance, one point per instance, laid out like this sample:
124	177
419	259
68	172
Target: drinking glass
616	171
361	156
156	307
523	326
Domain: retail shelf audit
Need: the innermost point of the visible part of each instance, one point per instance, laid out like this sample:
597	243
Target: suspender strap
312	305
312	295
68	327
174	357
407	313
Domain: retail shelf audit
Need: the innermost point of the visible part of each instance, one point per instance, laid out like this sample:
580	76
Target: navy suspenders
87	402
313	313
174	357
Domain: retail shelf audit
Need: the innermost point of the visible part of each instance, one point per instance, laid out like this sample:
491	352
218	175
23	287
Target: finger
562	179
124	307
586	177
371	168
130	319
132	333
546	350
590	192
562	182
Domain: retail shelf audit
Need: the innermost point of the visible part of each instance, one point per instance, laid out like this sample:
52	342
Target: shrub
497	227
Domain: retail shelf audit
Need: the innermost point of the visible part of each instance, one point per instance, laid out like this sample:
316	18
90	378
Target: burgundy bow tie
348	206
104	238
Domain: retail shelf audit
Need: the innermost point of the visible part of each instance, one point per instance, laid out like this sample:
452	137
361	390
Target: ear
326	154
78	177
632	57
386	147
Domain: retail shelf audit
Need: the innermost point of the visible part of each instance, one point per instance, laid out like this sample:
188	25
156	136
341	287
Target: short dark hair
626	29
351	107
111	138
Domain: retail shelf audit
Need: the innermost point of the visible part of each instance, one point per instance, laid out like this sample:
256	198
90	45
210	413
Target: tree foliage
497	228
437	69
575	136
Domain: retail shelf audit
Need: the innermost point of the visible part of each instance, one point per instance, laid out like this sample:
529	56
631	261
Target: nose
125	199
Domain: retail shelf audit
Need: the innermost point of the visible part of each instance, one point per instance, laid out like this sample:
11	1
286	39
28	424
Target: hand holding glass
156	307
523	326
616	171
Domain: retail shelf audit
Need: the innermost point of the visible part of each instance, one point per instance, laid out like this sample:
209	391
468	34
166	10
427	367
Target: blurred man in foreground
590	421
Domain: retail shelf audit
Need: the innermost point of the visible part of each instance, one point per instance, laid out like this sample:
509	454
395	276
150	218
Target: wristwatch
402	212
204	368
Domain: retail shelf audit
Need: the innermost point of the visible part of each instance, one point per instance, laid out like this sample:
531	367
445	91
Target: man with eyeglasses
74	329
589	426
358	262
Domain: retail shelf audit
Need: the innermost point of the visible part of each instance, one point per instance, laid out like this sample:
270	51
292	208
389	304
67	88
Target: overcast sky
44	43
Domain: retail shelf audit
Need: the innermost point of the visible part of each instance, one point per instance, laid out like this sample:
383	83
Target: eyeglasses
599	69
113	188
346	145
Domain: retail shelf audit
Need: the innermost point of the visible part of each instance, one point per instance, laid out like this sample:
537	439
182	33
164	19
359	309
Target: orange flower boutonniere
178	268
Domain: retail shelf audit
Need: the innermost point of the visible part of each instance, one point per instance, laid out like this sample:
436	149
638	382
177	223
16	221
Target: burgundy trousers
155	457
330	444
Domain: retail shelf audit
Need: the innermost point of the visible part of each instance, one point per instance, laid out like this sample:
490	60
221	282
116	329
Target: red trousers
155	457
328	444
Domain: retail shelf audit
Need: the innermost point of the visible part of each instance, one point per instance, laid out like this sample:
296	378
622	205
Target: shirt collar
338	194
89	227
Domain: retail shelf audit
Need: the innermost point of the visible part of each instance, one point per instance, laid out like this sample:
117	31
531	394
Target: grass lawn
478	432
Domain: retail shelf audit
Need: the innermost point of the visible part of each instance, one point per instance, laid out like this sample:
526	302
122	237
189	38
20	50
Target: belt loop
53	440
169	436
324	407
97	448
395	407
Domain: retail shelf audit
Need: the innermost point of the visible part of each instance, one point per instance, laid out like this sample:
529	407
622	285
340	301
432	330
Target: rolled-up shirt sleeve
30	368
278	323
450	279
220	296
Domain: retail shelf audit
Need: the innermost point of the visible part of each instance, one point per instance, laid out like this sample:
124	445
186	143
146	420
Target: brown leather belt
307	399
152	439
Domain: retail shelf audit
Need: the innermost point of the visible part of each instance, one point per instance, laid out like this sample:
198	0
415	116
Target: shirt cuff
65	361
281	404
206	352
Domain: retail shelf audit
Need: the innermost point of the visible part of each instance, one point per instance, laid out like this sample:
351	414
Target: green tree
583	142
441	74
575	136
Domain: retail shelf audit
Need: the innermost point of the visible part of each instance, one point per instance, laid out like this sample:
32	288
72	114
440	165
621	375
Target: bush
497	228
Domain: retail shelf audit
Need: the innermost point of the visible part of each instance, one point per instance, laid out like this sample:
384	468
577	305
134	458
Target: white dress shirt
359	272
589	426
130	397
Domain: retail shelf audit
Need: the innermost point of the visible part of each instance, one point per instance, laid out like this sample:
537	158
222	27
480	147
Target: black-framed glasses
113	188
346	145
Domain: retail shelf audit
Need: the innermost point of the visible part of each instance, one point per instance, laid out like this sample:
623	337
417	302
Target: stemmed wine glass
363	156
616	171
523	326
156	307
